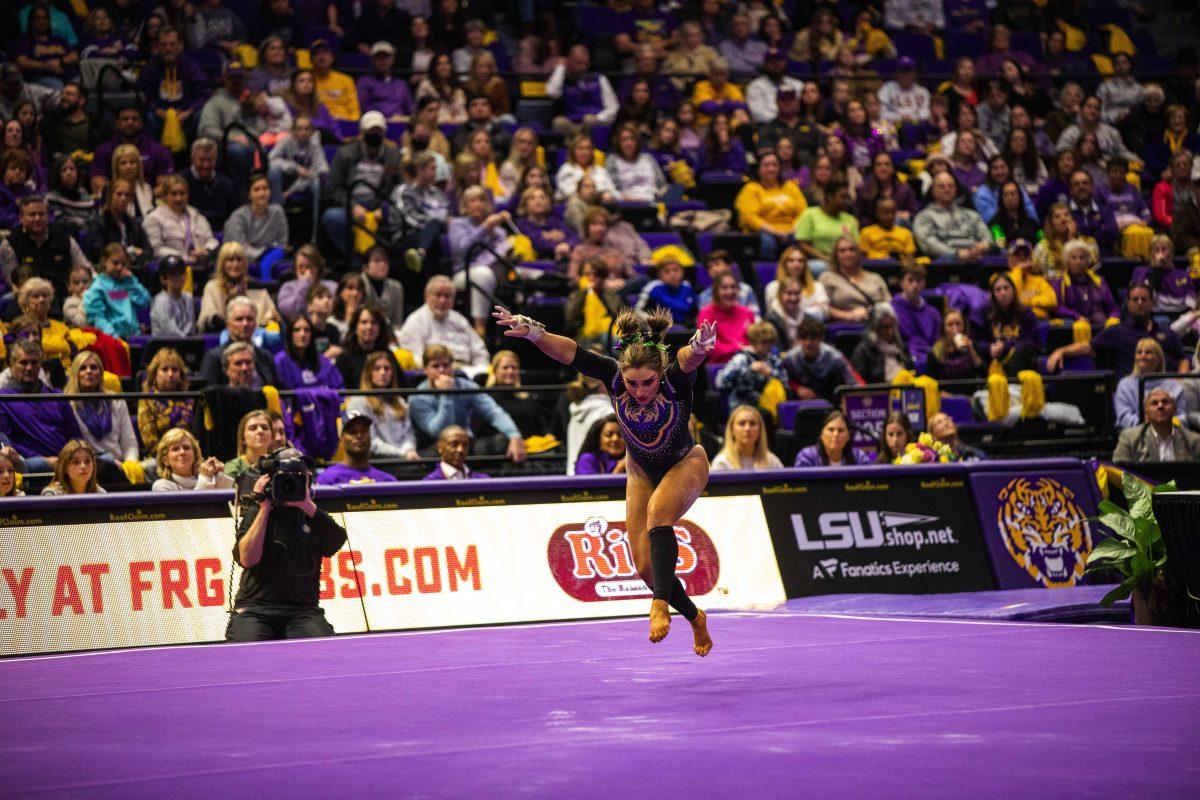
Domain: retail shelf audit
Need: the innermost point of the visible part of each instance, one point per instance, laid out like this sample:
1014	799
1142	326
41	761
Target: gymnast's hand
519	326
704	338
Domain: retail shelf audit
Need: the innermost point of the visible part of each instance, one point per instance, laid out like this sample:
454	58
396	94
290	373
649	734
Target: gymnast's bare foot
660	620
700	632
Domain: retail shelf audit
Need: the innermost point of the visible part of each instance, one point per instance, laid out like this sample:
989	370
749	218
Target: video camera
291	474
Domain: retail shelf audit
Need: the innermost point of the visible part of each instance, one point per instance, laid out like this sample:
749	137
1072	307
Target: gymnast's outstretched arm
692	354
560	348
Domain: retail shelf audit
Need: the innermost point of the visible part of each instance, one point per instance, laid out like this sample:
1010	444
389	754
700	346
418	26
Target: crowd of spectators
325	197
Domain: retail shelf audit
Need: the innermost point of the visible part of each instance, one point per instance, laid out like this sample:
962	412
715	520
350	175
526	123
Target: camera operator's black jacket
289	573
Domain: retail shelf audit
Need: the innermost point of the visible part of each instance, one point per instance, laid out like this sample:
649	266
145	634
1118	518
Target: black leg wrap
664	553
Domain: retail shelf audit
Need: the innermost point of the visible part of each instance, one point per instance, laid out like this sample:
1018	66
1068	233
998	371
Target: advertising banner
867	412
73	579
907	532
1035	525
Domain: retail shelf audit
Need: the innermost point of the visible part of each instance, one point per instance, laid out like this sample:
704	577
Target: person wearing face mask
371	160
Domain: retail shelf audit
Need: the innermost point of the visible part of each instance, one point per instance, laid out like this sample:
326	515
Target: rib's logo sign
593	561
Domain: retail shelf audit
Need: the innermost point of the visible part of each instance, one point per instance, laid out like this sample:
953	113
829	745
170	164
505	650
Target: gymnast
666	470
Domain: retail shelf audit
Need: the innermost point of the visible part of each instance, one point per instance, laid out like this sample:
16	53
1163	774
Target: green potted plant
1136	552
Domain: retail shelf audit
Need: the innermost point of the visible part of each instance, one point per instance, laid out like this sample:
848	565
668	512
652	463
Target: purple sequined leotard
656	435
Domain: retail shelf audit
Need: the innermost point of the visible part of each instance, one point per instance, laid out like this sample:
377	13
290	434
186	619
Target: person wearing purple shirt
664	96
920	323
38	430
172	80
1009	334
356	442
1082	294
156	159
382	91
833	446
1117	344
645	24
550	236
453	447
603	449
1174	289
45	58
1090	218
298	365
1001	47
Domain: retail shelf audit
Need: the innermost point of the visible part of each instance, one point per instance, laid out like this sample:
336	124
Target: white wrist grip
536	329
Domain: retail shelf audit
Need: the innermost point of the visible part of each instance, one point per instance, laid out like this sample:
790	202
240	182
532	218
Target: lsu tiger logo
1045	530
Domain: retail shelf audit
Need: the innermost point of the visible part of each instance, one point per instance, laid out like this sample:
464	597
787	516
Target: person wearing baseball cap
370	158
761	93
904	101
1029	279
173	312
225	107
335	89
381	90
355	467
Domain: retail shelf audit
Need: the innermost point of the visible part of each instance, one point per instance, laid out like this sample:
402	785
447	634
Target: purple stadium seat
959	408
959	44
765	271
788	410
596	21
657	240
914	45
346	128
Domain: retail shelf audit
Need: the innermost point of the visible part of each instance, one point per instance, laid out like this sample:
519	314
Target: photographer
280	543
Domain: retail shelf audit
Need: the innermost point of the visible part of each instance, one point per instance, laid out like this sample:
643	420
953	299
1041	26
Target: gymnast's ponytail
641	342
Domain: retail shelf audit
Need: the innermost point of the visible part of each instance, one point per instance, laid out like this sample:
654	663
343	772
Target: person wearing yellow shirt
886	239
716	95
1033	290
770	207
335	89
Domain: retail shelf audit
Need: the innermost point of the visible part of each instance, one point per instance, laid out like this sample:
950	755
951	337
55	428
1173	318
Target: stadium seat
789	410
918	46
959	44
959	408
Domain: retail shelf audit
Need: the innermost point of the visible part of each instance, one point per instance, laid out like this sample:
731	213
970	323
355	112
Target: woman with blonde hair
391	429
793	264
104	423
523	153
127	166
1148	358
35	298
176	228
483	80
1059	228
229	280
745	443
525	408
75	471
182	467
166	372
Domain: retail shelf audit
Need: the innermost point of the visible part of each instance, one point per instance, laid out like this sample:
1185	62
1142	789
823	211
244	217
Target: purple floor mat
1076	604
788	705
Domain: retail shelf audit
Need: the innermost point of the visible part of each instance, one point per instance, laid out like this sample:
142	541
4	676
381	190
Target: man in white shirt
437	322
1158	439
761	92
904	100
453	446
